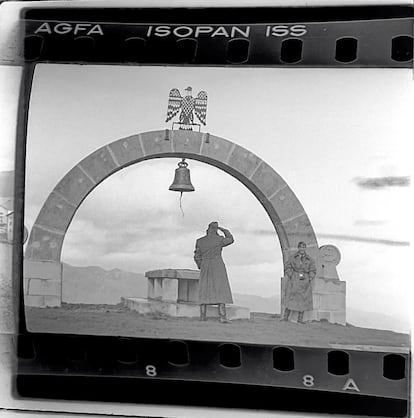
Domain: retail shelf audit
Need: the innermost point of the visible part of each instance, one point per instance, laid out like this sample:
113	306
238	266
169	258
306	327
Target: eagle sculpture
188	106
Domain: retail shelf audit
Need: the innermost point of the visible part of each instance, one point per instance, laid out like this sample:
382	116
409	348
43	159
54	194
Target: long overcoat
299	270
214	287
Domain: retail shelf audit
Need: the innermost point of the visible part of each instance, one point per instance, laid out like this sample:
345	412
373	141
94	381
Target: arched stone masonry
43	269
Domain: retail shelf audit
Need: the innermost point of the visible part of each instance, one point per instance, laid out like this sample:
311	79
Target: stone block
140	305
309	316
338	317
267	180
44	287
127	150
188	290
155	307
232	311
183	290
332	301
316	299
192	291
156	143
334	317
174	274
299	229
323	315
158	288
25	285
35	301
188	310
150	292
161	273
56	213
52	301
328	271
287	205
187	274
173	284
299	225
42	270
329	286
188	142
99	164
169	290
244	161
75	186
217	148
44	245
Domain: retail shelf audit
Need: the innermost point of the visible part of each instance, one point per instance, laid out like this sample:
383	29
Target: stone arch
43	270
283	207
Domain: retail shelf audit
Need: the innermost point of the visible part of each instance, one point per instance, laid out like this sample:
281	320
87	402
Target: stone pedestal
174	292
42	283
329	297
329	293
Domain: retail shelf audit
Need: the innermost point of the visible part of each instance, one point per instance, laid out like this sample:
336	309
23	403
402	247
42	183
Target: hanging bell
182	182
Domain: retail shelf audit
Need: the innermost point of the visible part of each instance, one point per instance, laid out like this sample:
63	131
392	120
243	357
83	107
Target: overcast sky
319	129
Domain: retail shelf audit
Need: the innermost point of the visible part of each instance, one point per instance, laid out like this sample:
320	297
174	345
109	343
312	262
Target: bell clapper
181	207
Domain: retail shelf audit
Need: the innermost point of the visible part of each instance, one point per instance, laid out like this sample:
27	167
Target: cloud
381	182
133	212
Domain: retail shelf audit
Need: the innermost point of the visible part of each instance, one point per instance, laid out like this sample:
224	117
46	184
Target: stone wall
42	283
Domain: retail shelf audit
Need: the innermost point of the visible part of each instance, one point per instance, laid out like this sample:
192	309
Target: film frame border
44	364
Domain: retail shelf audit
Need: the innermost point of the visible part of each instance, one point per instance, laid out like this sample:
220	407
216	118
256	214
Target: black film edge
333	381
358	42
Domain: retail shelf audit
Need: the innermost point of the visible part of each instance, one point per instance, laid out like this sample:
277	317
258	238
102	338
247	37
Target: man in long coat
300	270
214	287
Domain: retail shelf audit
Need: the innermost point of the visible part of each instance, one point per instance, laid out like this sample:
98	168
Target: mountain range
94	285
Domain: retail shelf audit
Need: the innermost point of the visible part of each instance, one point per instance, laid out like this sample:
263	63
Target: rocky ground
260	329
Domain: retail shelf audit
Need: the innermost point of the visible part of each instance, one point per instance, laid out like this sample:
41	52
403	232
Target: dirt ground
260	329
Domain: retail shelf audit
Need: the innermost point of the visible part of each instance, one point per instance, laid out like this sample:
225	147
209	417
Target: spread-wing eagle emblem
188	105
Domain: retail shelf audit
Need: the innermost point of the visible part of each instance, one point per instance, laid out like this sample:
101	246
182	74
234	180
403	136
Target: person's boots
222	314
300	318
285	316
203	312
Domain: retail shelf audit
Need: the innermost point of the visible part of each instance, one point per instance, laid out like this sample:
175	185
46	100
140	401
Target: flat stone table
174	292
175	285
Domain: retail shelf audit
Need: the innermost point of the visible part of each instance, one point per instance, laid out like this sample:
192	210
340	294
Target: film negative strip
373	42
93	148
